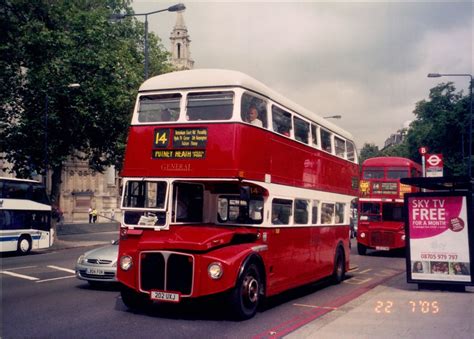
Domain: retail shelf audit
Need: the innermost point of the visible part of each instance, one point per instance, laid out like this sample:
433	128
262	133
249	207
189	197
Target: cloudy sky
366	61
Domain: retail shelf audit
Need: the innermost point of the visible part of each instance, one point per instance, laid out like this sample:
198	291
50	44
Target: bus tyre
245	297
135	301
24	244
339	272
361	249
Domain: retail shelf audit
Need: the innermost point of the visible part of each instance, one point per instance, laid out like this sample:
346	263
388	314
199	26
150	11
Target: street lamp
471	84
120	16
333	117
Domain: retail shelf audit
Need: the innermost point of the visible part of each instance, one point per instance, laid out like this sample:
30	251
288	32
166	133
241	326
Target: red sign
434	160
423	150
434	165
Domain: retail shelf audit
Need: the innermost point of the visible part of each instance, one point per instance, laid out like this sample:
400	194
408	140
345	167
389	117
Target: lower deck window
281	211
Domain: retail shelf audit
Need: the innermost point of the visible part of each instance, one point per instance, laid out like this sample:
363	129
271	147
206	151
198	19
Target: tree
47	45
369	151
442	125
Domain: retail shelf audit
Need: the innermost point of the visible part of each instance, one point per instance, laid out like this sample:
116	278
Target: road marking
315	306
27	277
357	281
385	273
21	268
365	271
61	269
60	278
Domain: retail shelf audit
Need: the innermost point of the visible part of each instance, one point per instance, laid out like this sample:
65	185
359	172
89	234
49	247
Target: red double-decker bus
381	223
229	188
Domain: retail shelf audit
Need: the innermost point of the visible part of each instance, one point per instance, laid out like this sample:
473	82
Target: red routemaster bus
381	223
230	189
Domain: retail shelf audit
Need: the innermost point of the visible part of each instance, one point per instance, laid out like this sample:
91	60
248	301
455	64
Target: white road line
314	306
21	268
60	278
27	277
61	269
365	271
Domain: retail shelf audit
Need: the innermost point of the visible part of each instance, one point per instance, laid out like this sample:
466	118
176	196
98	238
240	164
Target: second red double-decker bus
381	223
229	188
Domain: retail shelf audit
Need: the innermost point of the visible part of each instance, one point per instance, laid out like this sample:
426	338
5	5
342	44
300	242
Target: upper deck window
397	173
158	108
314	135
326	140
210	106
301	130
340	146
254	110
373	173
350	151
281	121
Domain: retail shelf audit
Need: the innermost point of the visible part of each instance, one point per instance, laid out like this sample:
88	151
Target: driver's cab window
187	202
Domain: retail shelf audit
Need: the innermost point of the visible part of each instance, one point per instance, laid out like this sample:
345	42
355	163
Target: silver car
98	265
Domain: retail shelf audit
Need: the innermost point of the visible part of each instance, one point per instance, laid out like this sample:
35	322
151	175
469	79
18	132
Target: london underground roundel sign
435	160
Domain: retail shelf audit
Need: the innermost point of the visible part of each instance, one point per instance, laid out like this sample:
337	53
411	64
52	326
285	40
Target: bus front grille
166	271
382	239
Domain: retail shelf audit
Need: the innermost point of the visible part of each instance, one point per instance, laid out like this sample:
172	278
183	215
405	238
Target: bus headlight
362	235
126	262
403	237
215	270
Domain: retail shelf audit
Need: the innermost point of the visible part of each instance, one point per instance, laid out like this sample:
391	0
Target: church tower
180	53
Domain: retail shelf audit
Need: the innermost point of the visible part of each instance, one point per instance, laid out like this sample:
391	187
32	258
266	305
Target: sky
366	61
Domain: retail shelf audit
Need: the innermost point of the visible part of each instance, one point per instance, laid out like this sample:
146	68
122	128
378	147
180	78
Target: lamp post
471	84
119	16
333	117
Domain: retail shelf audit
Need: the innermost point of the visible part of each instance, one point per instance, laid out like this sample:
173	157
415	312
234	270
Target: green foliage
369	151
47	45
442	125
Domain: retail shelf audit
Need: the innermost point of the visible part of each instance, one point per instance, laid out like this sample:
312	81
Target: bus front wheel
24	244
361	249
245	297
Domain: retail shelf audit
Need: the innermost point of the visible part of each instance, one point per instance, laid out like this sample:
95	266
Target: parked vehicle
98	265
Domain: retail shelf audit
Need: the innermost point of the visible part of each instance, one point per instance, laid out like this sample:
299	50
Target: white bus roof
206	78
20	180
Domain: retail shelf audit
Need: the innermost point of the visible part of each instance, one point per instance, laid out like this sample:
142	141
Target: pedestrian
90	215
94	215
112	214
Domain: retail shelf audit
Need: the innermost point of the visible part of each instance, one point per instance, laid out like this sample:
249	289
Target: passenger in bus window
165	115
253	117
275	218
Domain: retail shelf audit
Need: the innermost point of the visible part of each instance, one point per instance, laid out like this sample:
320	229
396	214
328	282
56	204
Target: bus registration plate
165	296
382	248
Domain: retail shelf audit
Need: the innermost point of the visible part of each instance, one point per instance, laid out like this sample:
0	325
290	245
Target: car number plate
95	271
165	296
382	248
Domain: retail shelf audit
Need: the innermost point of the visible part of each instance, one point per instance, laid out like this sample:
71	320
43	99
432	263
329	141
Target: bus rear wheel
361	249
339	272
135	301
245	297
24	245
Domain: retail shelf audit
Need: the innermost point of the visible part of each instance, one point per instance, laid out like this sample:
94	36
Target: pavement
85	234
392	309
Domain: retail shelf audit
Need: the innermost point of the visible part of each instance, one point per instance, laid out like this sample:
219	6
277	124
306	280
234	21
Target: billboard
438	238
